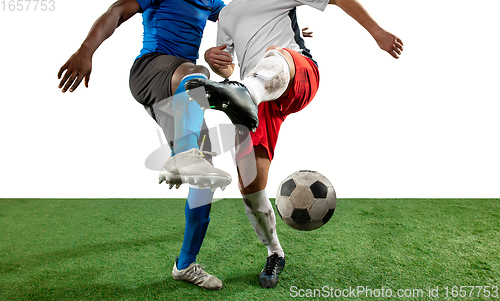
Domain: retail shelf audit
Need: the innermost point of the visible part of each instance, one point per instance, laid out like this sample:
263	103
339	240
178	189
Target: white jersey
249	27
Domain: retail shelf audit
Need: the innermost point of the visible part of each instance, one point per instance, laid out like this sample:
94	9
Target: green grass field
124	250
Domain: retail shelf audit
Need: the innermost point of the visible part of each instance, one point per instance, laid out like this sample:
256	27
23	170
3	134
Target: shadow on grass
46	259
68	285
83	289
250	279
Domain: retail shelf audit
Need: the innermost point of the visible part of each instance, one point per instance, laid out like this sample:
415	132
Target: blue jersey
175	27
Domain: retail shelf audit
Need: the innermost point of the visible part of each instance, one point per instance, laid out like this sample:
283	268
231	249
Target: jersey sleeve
224	39
145	4
216	8
318	4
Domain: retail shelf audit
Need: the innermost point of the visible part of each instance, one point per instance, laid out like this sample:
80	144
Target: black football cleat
231	97
268	278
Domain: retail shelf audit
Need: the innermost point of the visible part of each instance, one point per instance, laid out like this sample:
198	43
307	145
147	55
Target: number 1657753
28	5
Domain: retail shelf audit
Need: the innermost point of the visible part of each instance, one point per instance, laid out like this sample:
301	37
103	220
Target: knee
276	48
278	52
187	69
287	56
201	69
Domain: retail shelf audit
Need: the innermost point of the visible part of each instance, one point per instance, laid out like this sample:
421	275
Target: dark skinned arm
79	65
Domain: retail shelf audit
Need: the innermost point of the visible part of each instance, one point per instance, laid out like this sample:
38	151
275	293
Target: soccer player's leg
197	219
273	76
269	80
188	120
305	82
150	84
188	116
188	165
260	212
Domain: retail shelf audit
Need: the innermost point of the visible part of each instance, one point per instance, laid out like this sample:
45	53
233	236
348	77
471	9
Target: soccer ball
306	200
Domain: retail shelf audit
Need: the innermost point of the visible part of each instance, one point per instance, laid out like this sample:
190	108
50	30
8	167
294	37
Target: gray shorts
151	77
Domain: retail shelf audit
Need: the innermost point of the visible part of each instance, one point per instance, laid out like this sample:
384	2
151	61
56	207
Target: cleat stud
223	188
203	108
170	186
207	95
178	185
224	105
212	189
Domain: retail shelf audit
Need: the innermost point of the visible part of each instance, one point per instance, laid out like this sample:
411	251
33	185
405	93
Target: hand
78	67
217	57
389	43
307	34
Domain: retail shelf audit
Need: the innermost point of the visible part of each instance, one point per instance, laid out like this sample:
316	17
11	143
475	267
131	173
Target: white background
424	126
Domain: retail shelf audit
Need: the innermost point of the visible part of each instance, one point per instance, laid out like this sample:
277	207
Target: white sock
260	212
269	79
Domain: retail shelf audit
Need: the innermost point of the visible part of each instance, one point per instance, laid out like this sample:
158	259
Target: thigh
305	85
151	77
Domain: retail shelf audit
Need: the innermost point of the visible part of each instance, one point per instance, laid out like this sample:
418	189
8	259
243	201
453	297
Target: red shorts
273	113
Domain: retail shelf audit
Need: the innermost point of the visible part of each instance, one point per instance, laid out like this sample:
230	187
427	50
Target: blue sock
188	117
197	212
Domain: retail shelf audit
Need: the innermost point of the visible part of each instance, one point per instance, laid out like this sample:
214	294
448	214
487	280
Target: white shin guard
269	79
260	212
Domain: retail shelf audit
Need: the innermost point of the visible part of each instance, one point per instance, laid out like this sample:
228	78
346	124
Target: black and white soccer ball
306	200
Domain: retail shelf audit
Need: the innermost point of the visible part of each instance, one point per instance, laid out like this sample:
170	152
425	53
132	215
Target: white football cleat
192	167
195	274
